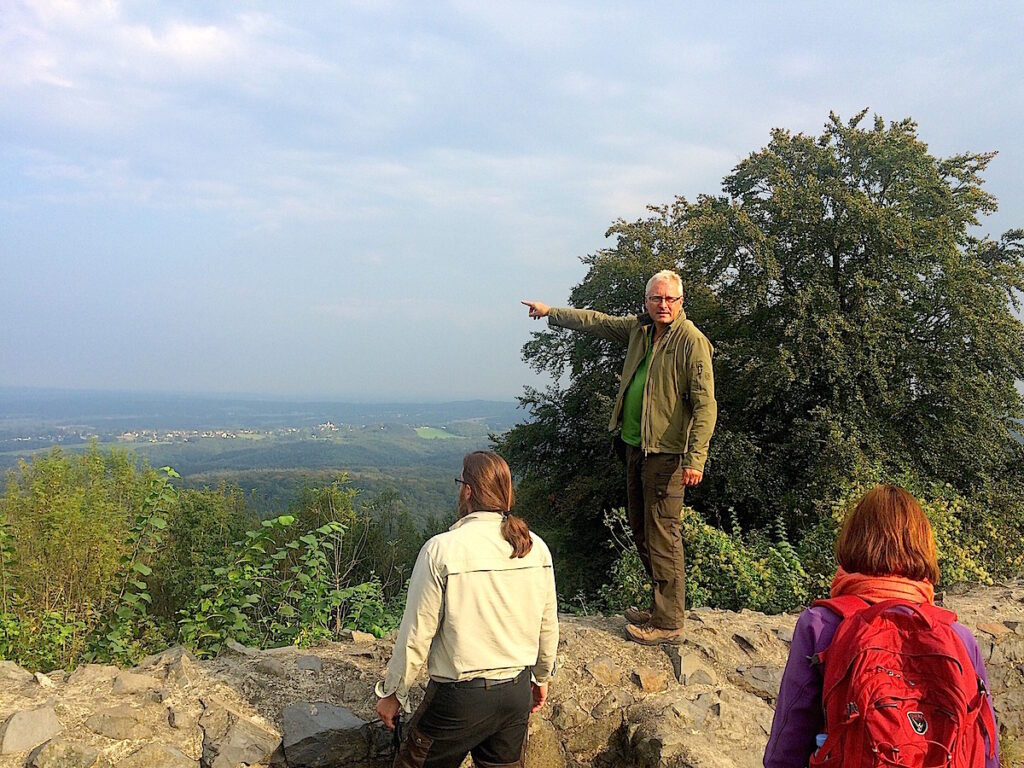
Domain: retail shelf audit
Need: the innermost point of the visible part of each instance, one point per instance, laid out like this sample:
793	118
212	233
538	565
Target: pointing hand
537	309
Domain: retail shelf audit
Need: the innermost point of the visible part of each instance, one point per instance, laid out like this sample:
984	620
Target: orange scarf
875	589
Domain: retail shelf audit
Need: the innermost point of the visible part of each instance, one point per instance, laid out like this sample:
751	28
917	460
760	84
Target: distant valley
269	448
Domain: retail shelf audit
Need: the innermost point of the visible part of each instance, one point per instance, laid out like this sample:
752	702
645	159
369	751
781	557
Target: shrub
722	570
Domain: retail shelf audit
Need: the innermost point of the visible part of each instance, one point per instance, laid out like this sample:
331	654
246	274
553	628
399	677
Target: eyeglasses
670	300
460	481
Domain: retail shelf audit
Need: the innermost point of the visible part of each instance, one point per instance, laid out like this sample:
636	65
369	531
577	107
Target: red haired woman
885	551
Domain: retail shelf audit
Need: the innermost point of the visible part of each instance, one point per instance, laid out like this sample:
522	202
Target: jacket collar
482	514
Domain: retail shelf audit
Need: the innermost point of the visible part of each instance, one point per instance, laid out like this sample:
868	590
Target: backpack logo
918	722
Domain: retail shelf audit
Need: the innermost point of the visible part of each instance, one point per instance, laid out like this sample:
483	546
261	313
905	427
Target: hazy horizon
347	203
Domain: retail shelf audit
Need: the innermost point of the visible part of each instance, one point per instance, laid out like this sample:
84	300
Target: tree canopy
863	331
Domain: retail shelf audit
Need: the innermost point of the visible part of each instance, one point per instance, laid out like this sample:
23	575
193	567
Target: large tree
863	330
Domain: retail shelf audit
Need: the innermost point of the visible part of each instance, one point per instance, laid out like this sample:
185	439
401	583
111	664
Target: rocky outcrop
705	703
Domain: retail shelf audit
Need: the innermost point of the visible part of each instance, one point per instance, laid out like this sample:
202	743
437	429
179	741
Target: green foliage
202	529
69	517
127	631
722	570
8	560
73	522
140	562
862	331
44	641
276	593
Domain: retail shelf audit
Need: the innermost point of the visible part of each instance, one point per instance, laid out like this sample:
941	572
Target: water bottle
819	741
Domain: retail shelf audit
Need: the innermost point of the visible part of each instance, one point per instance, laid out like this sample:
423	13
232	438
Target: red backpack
900	690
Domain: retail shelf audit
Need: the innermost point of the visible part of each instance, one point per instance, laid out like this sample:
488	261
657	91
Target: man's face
664	302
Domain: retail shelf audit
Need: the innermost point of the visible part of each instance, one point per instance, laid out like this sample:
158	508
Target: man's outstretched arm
595	323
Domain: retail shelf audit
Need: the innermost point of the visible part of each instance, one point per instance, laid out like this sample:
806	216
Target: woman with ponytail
482	614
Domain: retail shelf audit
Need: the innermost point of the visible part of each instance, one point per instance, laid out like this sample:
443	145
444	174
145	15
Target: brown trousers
654	490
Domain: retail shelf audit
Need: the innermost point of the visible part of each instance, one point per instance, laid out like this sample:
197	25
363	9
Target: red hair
887	534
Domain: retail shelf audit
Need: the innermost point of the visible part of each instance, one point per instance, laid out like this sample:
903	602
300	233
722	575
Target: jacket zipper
645	411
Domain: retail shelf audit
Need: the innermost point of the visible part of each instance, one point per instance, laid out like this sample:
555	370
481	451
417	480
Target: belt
483	682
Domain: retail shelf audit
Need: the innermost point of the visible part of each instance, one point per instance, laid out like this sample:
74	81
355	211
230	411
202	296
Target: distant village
82	434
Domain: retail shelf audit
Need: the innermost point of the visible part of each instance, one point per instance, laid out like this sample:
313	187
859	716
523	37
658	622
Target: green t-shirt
633	404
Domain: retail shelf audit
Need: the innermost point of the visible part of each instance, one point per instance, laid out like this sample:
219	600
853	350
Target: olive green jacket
679	410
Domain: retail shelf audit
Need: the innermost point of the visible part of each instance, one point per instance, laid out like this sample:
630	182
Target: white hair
665	276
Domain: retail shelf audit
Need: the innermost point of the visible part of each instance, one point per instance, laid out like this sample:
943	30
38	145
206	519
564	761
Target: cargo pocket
669	489
414	750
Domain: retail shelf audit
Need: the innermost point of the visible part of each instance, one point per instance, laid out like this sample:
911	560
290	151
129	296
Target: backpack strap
982	707
844	606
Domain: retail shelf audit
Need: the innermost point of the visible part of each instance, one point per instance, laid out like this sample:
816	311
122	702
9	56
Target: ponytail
517	533
490	481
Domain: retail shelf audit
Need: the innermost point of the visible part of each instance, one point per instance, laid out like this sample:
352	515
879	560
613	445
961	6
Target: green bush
749	570
722	570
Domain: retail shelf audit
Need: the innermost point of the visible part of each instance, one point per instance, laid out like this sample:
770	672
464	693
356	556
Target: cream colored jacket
473	611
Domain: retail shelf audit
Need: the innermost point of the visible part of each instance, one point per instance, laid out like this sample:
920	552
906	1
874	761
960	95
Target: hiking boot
636	615
645	634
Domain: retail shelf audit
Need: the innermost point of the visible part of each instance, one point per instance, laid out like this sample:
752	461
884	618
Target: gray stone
706	645
272	667
785	634
613	701
568	715
155	755
131	682
593	736
353	691
311	663
28	728
12	673
604	670
230	738
237	648
761	680
166	658
61	753
43	681
693	671
175	665
316	734
1017	627
1008	649
122	722
751	642
93	676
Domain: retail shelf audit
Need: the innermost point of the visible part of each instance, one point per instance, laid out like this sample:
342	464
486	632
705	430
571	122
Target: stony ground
706	703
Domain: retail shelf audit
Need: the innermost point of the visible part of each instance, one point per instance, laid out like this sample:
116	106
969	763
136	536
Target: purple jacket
798	712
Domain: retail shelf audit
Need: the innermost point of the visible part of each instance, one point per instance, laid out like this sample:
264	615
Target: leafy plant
126	629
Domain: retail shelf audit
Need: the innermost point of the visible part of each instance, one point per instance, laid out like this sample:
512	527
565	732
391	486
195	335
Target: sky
349	199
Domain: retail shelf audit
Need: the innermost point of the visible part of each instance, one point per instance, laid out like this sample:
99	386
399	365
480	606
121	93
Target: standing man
666	412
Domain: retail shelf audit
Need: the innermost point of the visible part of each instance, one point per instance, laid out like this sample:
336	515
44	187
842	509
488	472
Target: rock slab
230	738
28	729
316	734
